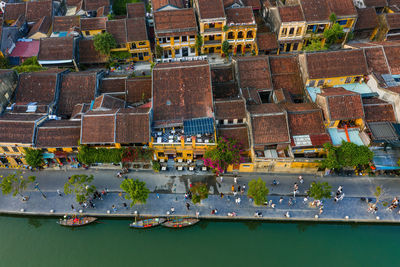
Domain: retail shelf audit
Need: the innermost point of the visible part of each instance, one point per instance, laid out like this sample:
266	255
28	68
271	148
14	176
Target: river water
38	241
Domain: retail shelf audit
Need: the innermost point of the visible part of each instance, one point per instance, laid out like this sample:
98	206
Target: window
311	83
230	35
176	39
291	31
5	149
348	80
321	28
284	32
211	25
184	38
134	54
320	82
179	155
230	121
142	43
240	121
133	45
248	46
192	50
87	32
192	37
161	154
146	54
218	48
240	35
295	46
342	22
298	32
288	46
15	149
357	79
188	155
177	51
249	34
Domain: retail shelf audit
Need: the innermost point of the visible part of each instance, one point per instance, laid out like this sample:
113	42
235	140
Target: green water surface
41	242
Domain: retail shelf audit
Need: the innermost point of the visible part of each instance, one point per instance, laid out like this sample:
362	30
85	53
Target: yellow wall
239	44
177	45
298	30
332	81
92	32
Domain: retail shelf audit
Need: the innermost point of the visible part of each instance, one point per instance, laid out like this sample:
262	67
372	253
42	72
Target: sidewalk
333	212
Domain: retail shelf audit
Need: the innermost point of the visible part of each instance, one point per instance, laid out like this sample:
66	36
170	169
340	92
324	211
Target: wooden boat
180	222
76	221
147	223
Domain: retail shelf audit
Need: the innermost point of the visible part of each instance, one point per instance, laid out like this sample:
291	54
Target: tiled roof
92	5
117	28
305	119
211	9
113	85
14	10
79	110
376	3
315	10
290	13
230	109
105	101
340	104
90	24
181	91
138	89
376	60
336	64
254	4
56	48
42	25
73	2
367	19
267	41
393	57
240	15
236	132
285	72
393	20
136	10
342	8
58	134
65	23
76	87
88	54
157	4
37	87
102	11
254	72
269	124
15	128
227	90
98	127
378	110
36	10
175	22
229	3
136	29
25	49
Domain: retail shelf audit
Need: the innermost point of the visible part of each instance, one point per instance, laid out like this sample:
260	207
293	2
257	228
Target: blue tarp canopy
48	155
198	126
386	160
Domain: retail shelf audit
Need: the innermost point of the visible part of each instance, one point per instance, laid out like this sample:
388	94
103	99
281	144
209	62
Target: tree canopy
136	191
320	190
34	157
315	45
334	33
119	6
346	155
258	191
225	47
29	65
199	192
226	152
199	43
15	184
89	155
104	42
80	186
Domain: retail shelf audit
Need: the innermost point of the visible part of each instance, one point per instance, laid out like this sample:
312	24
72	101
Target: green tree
258	191
159	51
34	157
315	45
346	155
156	166
378	193
136	191
29	65
334	33
225	47
320	190
104	42
225	153
332	17
199	43
225	28
119	6
80	186
4	63
199	192
15	184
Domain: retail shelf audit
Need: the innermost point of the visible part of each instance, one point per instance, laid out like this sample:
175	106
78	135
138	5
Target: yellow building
131	36
241	31
175	33
93	26
212	21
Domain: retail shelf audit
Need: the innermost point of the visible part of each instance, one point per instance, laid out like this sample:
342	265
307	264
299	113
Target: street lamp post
38	189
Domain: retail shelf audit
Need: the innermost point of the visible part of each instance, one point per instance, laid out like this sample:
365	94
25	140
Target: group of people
394	204
339	194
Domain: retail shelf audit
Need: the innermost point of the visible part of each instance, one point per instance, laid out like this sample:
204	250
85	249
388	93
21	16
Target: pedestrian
186	196
301	179
103	193
172	210
158	195
235	180
120	195
187	206
290	201
222	195
287	214
340	189
238	188
238	200
321	209
273	205
197	214
296	186
222	179
114	208
59	192
281	200
305	200
125	205
233	188
72	207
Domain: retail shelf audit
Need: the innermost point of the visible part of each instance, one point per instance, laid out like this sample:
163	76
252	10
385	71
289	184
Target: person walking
72	207
59	192
301	180
114	208
187	206
120	195
235	180
281	200
233	188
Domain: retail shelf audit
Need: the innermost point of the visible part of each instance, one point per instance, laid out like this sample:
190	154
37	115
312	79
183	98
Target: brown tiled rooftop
138	89
37	87
132	126
36	10
376	60
98	127
342	8
290	13
73	2
136	29
336	64
240	15
230	109
79	110
58	134
88	54
18	128
105	101
305	119
254	72
229	3
136	10
103	11
113	85
175	22
90	24
13	10
42	25
76	87
261	109
181	91
157	4
378	110
367	19
211	9
65	23
254	4
228	90
236	132
222	74
92	5
267	41
117	28
315	10
56	48
340	104
393	57
376	3
393	20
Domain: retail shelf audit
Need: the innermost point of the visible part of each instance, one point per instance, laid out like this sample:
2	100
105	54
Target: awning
48	155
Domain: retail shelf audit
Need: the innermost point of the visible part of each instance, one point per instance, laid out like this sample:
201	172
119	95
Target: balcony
170	136
212	42
213	30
